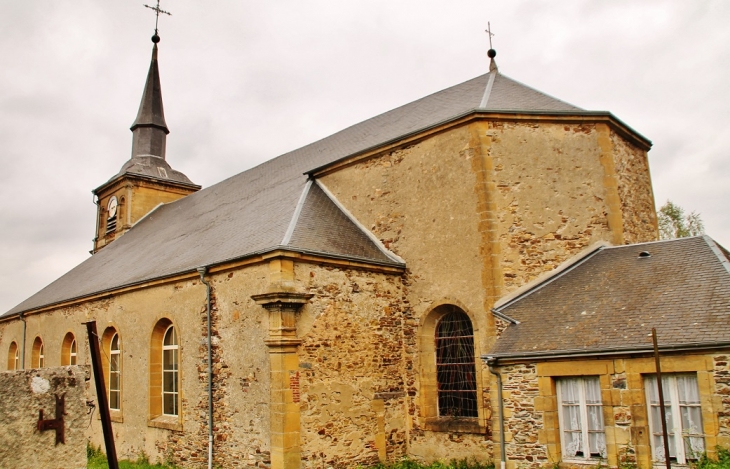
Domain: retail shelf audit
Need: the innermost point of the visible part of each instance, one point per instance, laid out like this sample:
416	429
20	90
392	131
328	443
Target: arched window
170	373
37	357
455	368
112	345
164	392
115	374
69	350
13	357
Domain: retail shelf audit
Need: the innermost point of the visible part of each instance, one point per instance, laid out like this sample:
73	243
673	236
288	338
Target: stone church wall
241	367
442	242
552	200
507	201
635	191
351	370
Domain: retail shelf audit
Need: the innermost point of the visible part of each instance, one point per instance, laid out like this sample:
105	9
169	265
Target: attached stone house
576	356
349	282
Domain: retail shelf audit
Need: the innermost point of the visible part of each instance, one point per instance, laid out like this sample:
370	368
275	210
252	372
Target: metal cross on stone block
57	423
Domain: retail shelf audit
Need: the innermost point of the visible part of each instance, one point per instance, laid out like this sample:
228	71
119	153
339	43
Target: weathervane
157	10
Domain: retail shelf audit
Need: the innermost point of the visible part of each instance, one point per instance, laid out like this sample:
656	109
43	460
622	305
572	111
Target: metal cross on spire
157	11
489	33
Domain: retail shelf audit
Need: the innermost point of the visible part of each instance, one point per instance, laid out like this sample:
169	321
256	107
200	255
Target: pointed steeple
149	129
146	180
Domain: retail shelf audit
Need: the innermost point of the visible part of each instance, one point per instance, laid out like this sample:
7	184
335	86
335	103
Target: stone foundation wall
26	392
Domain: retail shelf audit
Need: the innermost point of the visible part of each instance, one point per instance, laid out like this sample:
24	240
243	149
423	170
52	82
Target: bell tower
146	180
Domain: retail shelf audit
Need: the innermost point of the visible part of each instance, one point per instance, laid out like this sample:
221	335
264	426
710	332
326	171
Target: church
405	287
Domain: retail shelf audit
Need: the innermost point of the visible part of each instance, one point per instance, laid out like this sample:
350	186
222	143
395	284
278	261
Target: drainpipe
492	363
202	271
22	355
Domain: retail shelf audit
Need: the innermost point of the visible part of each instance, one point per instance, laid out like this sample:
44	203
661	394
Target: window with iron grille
455	368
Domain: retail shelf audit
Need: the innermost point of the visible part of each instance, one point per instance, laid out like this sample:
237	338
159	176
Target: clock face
112	207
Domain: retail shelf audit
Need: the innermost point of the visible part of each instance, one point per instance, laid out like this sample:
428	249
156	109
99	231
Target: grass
406	463
97	460
722	461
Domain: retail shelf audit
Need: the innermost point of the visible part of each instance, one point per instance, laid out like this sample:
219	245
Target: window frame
13	356
118	372
584	429
173	351
156	417
447	347
674	419
38	358
69	350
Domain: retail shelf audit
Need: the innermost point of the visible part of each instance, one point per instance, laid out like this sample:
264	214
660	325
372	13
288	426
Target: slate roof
611	299
251	212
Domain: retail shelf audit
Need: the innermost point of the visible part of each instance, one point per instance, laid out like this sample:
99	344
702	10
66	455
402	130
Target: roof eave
641	141
353	261
168	182
606	352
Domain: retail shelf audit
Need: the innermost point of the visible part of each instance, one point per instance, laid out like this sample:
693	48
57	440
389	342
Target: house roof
252	212
611	299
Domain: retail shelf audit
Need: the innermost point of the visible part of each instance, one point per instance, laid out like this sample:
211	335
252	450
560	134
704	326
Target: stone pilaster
282	307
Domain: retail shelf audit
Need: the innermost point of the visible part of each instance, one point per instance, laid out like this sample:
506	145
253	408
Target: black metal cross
157	11
488	31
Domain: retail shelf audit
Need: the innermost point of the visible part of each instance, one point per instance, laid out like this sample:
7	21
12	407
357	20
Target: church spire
149	129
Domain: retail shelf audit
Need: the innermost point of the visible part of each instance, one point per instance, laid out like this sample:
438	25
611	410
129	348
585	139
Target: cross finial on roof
157	10
491	52
489	33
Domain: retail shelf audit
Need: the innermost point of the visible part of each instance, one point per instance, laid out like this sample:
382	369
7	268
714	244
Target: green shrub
96	459
722	461
406	463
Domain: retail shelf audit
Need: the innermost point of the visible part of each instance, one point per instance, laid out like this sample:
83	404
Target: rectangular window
683	414
580	415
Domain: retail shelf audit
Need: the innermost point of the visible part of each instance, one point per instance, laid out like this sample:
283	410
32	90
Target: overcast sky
245	81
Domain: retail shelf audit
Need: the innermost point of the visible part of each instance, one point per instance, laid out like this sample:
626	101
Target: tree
673	223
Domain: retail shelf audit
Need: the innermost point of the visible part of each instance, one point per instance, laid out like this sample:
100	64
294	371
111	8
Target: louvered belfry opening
455	368
111	224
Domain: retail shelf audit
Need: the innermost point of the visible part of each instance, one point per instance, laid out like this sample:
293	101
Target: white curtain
572	431
596	436
682	397
689	406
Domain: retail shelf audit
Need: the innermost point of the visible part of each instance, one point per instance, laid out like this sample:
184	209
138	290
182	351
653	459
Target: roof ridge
719	251
295	215
488	90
